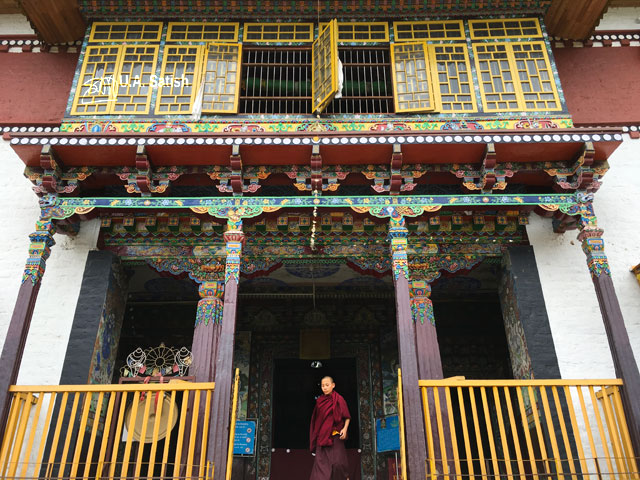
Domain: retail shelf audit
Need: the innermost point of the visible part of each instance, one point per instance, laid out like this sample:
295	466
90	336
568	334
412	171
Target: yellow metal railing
526	429
232	425
107	432
403	445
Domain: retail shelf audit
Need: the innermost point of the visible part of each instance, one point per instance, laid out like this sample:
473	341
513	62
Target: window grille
202	32
278	32
133	84
411	77
367	84
125	32
276	81
505	28
94	90
365	32
515	77
431	30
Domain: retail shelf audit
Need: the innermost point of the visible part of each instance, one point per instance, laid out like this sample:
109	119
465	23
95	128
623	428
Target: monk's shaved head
329	377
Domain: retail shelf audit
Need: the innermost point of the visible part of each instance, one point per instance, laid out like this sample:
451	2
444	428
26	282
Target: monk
327	434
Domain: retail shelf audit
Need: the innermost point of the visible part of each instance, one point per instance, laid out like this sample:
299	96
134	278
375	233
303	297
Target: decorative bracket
144	180
421	304
53	178
312	178
399	178
39	251
582	175
487	179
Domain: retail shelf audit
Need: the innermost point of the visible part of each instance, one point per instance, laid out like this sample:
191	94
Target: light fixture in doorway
316	364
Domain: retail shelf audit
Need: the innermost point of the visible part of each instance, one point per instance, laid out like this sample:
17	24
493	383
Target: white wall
621	18
15	24
49	333
572	306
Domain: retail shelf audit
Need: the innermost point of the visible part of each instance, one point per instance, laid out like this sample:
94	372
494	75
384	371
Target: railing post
623	358
416	446
39	251
220	409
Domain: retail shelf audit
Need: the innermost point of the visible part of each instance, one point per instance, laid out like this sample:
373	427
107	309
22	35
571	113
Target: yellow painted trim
403	446
259	26
331	30
436	80
123	53
428	64
126	40
197	78
149	387
497	21
516	79
518	383
232	425
83	70
170	32
459	23
238	76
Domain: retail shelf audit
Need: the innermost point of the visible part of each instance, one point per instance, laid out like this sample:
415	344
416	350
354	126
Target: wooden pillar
414	421
623	358
430	368
39	251
207	331
221	405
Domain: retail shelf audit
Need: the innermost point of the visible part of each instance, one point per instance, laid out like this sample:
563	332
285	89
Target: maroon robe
331	457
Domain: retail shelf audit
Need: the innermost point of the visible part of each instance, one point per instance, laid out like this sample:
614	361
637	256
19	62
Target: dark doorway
296	385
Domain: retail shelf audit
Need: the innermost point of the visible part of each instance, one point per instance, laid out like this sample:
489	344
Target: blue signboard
245	438
387	434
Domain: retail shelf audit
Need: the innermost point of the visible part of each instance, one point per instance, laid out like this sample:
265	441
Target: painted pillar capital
592	242
421	305
39	250
397	237
210	306
235	239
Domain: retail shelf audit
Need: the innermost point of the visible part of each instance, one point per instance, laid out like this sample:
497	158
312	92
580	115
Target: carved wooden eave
55	21
572	20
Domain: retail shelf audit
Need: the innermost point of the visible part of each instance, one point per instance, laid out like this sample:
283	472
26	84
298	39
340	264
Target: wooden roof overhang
553	166
61	21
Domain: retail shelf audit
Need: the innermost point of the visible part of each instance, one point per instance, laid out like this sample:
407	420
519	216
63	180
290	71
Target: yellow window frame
171	33
163	103
278	31
342	38
218	48
115	85
127	25
434	51
413	66
324	67
98	85
515	78
428	26
474	26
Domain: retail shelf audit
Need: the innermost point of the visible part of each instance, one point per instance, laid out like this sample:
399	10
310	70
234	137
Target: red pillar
414	421
207	331
11	357
623	358
221	405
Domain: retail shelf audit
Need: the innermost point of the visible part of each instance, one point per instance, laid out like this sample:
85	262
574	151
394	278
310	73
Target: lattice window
222	78
410	64
454	78
365	32
94	93
179	79
505	28
133	84
516	77
325	64
202	32
278	32
431	30
535	76
125	32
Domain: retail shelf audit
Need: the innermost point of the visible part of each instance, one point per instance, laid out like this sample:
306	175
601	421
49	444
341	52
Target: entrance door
296	385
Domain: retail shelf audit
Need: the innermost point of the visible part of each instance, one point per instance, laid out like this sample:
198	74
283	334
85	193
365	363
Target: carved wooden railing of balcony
108	431
526	429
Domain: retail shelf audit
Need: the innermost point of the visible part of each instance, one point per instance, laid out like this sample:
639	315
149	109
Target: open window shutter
325	66
221	82
412	83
